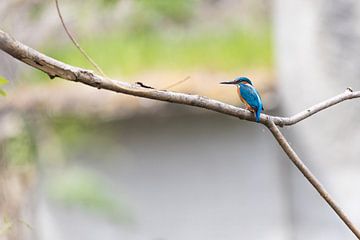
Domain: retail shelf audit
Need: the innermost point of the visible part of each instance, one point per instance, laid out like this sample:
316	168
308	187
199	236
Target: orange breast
244	101
238	92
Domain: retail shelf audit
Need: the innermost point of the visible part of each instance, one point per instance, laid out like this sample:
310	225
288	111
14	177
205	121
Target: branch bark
55	68
77	45
310	177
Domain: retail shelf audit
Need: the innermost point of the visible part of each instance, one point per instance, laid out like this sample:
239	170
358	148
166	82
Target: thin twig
55	68
310	177
348	94
77	45
177	83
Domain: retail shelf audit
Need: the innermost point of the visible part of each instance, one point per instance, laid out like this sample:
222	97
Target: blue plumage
252	98
248	95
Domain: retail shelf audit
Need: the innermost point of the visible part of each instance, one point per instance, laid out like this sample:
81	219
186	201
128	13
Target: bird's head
238	81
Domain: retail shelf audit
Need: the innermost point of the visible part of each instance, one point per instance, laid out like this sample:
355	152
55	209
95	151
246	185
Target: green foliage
5	226
77	187
108	3
36	10
2	92
3	81
175	10
20	150
73	131
127	55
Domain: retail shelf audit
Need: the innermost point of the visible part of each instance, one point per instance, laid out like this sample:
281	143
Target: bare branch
55	68
348	94
77	45
310	177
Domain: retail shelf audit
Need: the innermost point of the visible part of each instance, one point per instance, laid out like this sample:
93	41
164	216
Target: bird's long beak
229	82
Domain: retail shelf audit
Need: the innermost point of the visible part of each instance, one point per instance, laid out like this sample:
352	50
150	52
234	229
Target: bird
248	95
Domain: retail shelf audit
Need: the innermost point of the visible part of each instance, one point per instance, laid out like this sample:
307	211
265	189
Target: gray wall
184	177
318	56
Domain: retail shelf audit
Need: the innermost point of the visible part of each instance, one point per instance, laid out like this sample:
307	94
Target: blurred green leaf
131	54
78	187
36	10
2	82
2	92
108	3
74	132
6	226
20	150
176	10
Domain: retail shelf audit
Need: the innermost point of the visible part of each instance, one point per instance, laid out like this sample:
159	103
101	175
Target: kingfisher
248	95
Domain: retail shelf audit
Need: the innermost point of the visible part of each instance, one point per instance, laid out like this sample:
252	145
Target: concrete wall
186	177
318	56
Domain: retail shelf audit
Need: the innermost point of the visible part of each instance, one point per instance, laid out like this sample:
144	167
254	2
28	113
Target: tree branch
77	45
55	68
310	177
287	121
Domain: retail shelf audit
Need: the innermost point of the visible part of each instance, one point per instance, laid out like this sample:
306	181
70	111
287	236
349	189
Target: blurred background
82	163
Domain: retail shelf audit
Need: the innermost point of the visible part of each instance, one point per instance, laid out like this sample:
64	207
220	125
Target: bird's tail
257	114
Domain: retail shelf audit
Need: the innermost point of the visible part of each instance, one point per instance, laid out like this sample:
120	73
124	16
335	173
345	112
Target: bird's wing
251	96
